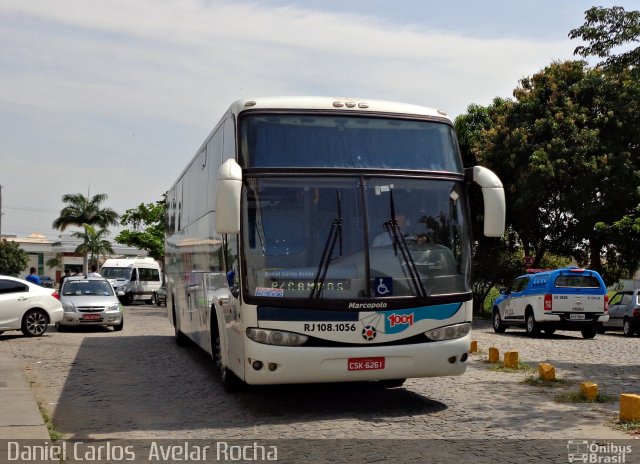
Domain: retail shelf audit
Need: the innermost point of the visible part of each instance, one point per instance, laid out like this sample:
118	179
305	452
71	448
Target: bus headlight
276	337
449	332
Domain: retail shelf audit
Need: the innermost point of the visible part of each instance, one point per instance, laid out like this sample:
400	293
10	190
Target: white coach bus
320	239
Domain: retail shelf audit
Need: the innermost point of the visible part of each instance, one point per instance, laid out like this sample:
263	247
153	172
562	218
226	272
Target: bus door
230	304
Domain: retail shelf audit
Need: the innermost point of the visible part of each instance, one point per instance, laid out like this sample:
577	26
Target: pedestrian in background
94	271
33	277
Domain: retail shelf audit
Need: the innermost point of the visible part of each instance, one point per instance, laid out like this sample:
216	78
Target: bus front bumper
269	364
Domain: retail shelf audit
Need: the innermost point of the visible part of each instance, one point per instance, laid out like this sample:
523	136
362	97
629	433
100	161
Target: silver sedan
90	301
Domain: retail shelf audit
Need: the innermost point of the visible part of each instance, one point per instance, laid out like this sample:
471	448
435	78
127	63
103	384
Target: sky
115	96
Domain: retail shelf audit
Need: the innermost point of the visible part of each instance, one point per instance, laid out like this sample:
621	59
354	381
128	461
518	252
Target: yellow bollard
511	359
546	371
474	346
589	390
494	355
629	407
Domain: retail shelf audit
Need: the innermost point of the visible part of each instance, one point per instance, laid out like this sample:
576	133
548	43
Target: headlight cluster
449	332
276	337
68	308
114	307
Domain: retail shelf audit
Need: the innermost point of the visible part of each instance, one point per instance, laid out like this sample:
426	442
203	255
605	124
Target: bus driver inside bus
384	239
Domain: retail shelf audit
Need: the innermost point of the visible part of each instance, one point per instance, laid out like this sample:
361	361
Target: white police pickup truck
564	299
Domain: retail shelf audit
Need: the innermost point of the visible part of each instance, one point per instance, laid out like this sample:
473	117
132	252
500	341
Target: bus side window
231	263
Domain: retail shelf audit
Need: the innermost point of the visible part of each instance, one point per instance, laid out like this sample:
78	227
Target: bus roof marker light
338	104
350	104
250	103
363	105
443	113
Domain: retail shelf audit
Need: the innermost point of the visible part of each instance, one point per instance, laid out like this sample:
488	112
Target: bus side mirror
228	198
495	209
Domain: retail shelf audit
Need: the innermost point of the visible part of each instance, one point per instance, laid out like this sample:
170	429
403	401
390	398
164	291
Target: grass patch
627	426
578	397
500	367
536	381
53	432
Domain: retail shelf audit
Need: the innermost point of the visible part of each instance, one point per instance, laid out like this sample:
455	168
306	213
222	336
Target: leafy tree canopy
606	29
13	259
146	228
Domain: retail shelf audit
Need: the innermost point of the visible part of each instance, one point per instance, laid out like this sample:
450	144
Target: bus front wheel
229	381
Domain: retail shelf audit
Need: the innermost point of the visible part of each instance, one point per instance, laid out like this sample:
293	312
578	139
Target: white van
133	279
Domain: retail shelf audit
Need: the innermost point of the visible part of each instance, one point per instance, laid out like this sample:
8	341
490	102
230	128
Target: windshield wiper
335	234
393	229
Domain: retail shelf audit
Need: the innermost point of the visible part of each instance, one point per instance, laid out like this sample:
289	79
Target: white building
41	249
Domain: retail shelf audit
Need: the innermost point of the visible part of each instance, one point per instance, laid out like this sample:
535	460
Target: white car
27	307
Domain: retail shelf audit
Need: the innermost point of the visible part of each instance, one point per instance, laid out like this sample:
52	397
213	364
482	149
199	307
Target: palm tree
81	210
94	242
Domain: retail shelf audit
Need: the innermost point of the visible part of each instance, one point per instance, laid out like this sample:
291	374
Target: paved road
138	384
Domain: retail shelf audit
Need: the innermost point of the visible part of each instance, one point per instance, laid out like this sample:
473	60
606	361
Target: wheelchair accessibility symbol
384	286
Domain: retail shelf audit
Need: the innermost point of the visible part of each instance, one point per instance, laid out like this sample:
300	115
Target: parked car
27	307
90	301
624	313
565	299
160	296
46	281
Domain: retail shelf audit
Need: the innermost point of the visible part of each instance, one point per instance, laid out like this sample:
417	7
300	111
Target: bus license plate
576	316
365	364
91	317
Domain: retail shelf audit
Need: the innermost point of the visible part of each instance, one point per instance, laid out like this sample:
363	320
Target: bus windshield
354	238
331	141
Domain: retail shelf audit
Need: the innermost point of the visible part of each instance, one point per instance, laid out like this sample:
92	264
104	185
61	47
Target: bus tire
181	339
229	381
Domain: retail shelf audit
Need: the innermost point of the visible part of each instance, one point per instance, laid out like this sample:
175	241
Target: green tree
81	210
562	150
13	259
94	242
606	29
146	228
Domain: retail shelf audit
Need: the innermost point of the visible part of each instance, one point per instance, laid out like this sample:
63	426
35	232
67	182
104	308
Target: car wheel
549	331
498	326
533	328
119	327
128	299
34	323
589	332
60	327
627	329
158	302
153	299
601	329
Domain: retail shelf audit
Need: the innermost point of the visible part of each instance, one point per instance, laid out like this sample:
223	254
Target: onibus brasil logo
597	453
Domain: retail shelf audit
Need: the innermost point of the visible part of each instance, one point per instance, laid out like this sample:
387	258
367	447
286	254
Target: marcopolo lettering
378	305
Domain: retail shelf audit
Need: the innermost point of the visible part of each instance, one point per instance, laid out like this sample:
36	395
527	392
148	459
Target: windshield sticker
384	286
270	292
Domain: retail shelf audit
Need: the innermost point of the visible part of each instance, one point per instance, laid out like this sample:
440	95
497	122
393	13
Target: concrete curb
20	417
